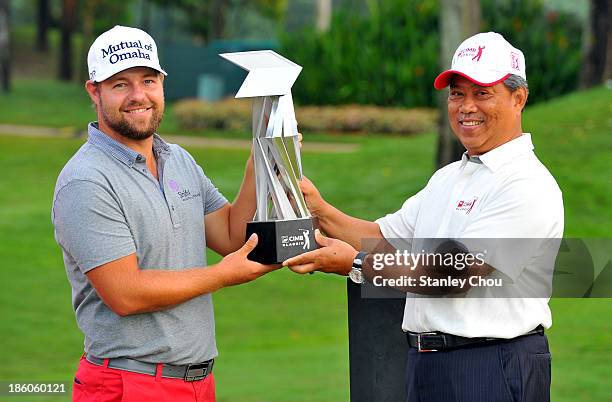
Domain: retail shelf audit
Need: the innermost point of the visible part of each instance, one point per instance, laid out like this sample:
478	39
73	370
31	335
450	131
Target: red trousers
94	383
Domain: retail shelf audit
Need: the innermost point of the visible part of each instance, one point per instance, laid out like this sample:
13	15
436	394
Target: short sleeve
213	199
401	224
90	225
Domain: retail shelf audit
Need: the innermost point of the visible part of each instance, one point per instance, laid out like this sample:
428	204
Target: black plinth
279	240
377	347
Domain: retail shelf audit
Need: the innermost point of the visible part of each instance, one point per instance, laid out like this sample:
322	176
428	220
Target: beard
115	120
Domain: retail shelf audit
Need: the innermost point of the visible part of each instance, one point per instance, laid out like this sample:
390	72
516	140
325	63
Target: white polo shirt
509	193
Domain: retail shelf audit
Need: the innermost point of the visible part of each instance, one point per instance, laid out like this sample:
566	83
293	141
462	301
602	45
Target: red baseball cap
485	59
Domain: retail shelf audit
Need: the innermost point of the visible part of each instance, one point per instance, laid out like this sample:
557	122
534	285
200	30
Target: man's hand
334	256
315	203
236	268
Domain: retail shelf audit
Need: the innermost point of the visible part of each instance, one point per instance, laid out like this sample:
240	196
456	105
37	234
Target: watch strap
359	259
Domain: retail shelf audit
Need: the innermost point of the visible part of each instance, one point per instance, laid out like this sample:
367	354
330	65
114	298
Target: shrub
389	55
229	114
383	58
234	114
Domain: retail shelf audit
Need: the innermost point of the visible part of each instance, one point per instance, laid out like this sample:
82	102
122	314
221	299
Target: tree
67	28
597	49
88	16
5	59
458	21
324	13
206	19
42	27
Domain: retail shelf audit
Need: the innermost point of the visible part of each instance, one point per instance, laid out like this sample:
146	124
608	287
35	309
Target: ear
93	91
519	98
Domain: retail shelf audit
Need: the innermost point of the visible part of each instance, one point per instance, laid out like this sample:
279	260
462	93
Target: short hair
514	82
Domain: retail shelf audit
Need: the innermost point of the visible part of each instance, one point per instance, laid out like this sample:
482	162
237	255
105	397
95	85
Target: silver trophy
282	221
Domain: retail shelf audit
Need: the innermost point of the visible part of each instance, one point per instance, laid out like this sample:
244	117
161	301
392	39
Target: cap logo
479	54
115	55
514	61
476	54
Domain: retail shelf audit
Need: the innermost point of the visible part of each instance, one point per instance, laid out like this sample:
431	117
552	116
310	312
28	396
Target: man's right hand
314	201
236	268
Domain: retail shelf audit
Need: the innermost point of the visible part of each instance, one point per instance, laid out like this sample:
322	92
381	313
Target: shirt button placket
174	216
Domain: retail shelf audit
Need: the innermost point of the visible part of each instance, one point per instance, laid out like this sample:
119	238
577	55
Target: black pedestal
377	347
279	240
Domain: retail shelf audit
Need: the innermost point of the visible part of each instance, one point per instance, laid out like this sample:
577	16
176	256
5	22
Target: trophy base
279	240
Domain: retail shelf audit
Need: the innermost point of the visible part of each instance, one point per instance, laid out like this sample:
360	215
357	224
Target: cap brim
443	80
111	73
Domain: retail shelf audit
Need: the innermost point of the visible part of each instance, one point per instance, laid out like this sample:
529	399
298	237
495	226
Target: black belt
438	341
188	372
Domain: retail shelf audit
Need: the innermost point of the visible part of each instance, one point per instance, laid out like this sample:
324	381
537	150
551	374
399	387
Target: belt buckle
198	371
420	346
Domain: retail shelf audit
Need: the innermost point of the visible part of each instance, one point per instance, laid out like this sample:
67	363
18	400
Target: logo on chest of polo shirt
184	194
466	205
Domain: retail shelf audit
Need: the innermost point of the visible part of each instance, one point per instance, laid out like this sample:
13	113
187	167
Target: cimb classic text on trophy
282	221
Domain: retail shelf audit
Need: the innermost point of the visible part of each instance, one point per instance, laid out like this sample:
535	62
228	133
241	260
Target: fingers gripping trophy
282	221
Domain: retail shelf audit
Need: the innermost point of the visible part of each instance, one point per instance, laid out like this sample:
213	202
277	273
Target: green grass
284	337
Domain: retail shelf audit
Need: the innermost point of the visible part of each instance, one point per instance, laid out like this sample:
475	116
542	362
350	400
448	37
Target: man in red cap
482	321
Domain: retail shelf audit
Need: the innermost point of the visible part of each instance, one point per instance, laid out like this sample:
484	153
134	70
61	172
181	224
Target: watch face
356	275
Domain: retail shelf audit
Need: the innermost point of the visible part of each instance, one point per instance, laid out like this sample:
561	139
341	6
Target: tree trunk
89	11
324	13
67	28
44	17
458	21
217	19
596	67
5	59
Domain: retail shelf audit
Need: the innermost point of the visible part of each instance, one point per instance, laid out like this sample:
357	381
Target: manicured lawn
284	337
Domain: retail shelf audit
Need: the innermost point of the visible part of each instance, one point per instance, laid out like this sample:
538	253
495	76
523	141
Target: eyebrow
146	75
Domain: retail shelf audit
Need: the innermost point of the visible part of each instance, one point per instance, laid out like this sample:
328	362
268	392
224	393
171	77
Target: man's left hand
334	256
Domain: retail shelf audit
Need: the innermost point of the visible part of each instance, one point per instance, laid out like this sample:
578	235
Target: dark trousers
510	371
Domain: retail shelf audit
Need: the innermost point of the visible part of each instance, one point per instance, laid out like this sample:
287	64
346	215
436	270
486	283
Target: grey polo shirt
107	205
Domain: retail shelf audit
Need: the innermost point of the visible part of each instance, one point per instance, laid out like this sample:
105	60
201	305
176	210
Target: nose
138	94
468	105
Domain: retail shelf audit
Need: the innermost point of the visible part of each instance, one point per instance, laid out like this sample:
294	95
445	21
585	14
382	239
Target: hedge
235	115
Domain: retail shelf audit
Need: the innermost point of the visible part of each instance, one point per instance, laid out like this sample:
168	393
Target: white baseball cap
121	48
485	59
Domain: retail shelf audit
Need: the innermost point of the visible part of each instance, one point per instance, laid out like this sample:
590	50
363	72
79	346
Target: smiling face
130	103
484	118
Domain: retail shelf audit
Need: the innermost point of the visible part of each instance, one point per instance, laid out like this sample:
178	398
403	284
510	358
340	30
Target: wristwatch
356	274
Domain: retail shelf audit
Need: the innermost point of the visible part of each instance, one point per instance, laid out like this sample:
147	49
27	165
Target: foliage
235	115
385	58
109	13
550	41
206	19
390	55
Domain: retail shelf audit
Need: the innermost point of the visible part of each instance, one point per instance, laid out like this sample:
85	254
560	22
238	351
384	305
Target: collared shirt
108	205
510	194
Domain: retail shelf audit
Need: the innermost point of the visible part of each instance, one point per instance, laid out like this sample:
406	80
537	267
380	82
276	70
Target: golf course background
284	337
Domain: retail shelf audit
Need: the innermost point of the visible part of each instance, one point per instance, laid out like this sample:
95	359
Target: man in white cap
133	216
483	348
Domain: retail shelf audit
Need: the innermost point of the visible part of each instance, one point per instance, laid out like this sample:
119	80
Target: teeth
137	110
471	123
